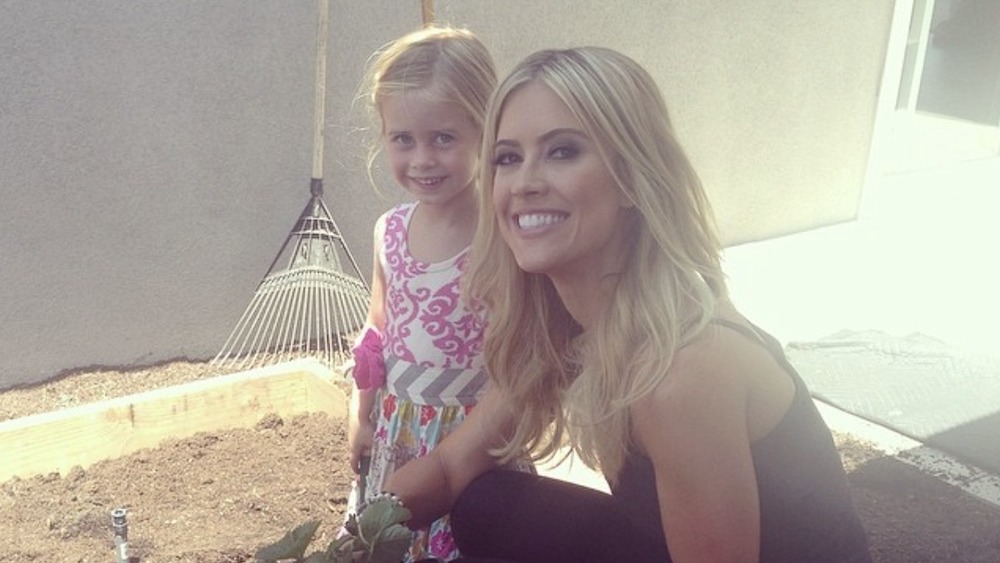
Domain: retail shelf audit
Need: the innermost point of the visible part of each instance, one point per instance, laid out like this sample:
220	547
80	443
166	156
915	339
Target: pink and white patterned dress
432	347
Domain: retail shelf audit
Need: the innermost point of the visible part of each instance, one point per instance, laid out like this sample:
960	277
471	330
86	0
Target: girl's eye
506	158
403	139
444	138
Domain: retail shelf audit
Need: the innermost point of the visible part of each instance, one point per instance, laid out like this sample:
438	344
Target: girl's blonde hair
449	64
564	384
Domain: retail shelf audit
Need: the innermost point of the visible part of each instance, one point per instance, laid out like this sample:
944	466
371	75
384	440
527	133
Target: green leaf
292	545
381	514
391	544
341	550
319	557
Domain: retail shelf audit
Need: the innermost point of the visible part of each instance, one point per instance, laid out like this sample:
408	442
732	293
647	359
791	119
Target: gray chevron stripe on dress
409	375
434	386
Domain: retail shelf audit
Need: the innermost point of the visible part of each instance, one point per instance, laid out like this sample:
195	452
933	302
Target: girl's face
557	205
432	147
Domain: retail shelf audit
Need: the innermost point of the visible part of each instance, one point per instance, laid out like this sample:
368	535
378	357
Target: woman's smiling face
557	205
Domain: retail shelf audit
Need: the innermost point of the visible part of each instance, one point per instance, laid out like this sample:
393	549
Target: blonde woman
611	329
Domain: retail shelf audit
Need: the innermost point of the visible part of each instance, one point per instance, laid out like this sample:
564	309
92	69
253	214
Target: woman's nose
527	181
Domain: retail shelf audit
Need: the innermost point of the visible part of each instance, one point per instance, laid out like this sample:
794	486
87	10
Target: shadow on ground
913	517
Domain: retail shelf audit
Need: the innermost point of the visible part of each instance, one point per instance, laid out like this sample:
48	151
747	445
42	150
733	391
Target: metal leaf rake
306	305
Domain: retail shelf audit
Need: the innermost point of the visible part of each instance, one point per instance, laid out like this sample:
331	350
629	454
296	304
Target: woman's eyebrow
506	143
544	136
561	131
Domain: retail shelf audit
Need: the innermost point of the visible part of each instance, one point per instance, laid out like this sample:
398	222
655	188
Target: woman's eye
563	152
505	158
444	138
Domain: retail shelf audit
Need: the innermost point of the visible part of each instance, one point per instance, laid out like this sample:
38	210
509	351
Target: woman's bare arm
694	429
429	485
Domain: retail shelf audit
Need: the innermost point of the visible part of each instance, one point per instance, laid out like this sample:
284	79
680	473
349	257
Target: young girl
429	90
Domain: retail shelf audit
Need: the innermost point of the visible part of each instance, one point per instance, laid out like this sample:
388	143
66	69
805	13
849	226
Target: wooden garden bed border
57	441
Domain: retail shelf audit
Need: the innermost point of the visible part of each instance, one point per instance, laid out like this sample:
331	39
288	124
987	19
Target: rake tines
309	307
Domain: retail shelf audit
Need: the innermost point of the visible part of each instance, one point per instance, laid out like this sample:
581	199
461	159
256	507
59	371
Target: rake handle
322	30
427	12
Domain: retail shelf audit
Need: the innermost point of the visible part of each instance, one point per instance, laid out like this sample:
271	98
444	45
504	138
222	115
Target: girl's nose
423	158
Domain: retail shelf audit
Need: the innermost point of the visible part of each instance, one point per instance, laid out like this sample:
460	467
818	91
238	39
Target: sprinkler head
119	522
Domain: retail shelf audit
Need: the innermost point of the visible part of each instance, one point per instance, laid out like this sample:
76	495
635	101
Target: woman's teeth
535	220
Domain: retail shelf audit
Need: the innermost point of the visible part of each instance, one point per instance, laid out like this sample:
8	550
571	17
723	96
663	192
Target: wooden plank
59	440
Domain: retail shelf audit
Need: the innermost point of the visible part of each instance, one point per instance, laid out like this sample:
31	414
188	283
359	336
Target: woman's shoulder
718	362
702	396
727	368
715	358
717	351
707	393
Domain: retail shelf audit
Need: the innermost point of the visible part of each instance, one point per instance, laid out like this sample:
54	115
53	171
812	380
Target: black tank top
806	511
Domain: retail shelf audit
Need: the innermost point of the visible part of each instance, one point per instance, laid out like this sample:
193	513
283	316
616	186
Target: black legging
515	517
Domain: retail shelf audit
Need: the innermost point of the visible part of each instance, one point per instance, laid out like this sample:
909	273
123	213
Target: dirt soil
216	497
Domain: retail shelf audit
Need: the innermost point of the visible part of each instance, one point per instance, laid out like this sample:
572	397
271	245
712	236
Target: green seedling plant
377	535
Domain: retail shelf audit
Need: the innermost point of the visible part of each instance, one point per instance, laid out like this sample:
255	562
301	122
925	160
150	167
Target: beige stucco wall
154	156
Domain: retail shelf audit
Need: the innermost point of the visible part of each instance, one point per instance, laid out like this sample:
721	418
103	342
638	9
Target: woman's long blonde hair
564	384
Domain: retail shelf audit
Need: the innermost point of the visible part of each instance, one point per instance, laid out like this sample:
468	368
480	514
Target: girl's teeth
538	220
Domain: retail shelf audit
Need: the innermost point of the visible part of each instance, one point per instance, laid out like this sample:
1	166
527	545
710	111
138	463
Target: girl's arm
429	485
694	429
360	427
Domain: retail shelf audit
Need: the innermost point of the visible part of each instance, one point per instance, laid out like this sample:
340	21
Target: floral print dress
432	348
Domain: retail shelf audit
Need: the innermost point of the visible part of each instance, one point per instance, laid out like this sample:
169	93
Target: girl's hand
360	435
